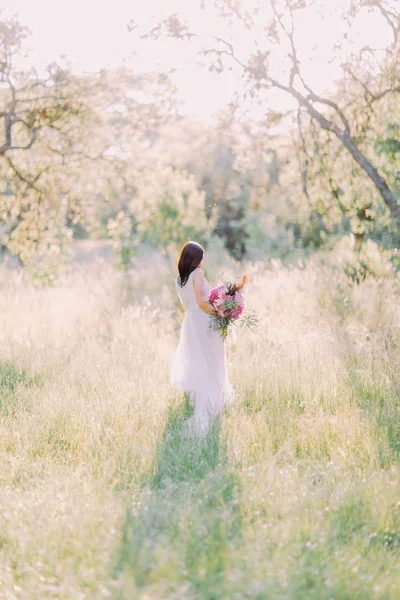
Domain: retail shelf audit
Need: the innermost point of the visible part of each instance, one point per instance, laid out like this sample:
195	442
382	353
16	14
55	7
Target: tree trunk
345	137
381	185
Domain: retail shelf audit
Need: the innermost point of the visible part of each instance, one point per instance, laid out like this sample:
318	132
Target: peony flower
228	303
215	293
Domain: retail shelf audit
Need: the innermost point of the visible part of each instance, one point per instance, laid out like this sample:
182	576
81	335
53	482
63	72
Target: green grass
13	383
293	494
190	513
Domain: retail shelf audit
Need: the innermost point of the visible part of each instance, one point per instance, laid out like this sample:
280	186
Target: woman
199	365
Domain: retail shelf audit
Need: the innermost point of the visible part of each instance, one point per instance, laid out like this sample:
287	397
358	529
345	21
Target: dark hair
190	258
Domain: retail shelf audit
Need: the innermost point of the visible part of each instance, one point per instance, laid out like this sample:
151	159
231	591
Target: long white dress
199	364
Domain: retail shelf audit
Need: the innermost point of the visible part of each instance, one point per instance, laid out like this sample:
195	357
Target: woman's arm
201	294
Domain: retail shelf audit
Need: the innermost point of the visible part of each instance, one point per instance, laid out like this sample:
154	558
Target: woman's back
199	365
187	293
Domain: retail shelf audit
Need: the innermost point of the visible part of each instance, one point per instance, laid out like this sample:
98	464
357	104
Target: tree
377	78
170	210
36	113
72	150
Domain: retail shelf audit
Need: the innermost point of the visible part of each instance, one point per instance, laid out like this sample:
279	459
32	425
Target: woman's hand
201	295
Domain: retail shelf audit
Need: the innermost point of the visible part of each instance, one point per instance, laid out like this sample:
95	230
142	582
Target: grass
294	494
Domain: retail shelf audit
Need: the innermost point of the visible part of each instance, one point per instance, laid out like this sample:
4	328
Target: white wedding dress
199	364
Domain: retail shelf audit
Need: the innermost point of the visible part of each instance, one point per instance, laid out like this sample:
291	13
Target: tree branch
374	96
303	167
346	139
228	45
295	70
29	183
8	147
388	16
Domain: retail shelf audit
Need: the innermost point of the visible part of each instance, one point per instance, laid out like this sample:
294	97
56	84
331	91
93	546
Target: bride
199	364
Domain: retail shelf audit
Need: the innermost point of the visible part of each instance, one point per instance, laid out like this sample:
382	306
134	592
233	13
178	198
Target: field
295	494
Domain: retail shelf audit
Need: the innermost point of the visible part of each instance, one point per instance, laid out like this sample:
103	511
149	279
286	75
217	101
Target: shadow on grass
13	379
180	540
182	458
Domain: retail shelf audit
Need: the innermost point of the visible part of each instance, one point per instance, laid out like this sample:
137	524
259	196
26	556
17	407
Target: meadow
294	494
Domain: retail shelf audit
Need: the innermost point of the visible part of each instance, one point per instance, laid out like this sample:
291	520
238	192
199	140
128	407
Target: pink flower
226	305
239	299
235	314
216	293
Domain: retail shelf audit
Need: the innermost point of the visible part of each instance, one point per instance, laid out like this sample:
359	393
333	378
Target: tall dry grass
294	494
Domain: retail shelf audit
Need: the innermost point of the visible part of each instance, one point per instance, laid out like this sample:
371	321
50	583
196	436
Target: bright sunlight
200	300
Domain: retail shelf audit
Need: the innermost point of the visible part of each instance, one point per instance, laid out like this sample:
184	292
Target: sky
93	34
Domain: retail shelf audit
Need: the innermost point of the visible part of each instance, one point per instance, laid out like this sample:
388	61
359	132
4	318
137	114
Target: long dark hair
190	258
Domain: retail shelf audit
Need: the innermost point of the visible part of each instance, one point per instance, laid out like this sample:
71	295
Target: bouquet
228	303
